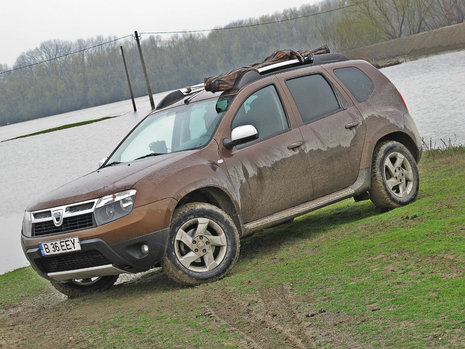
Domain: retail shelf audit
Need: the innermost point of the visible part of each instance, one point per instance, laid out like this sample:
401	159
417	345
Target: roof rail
278	65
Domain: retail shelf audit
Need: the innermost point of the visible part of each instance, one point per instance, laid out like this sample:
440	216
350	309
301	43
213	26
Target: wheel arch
383	195
216	197
404	139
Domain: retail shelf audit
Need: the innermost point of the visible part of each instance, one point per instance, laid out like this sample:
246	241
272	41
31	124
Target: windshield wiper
112	163
188	99
151	154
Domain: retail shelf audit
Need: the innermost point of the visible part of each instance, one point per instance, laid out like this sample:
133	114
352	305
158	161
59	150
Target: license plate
60	246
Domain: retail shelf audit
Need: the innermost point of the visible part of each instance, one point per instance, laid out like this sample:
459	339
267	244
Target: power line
190	32
65	55
257	24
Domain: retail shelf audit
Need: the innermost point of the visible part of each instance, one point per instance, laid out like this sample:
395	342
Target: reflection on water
29	167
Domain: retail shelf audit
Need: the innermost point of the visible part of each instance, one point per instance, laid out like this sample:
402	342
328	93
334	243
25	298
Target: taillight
403	100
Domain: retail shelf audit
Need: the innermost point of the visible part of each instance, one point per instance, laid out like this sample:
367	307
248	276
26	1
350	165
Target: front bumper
108	249
97	258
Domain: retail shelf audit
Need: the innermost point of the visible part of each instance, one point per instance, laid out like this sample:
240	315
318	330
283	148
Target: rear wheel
203	245
80	287
395	179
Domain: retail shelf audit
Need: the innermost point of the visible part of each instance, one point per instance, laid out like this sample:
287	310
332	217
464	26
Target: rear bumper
97	258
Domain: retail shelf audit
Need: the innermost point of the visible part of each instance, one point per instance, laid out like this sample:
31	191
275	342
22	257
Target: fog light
144	248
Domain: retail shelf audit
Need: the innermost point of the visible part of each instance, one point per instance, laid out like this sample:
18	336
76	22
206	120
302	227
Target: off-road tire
217	223
73	290
393	163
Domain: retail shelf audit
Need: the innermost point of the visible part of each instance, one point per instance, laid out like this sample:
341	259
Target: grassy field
346	276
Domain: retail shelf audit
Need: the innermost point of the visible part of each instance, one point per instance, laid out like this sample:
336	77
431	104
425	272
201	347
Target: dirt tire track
250	342
253	316
282	299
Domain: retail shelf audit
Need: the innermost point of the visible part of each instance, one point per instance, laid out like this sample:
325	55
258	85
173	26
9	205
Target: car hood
105	181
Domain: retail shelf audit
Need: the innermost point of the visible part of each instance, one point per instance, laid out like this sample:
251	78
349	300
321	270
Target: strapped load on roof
228	81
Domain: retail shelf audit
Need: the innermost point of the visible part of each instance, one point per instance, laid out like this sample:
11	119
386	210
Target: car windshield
186	127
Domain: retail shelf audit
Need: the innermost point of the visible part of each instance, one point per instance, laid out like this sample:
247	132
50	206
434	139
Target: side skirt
361	185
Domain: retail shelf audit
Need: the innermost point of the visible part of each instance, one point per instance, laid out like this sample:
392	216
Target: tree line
95	77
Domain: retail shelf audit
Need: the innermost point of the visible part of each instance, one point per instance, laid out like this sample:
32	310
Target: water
35	165
433	89
29	167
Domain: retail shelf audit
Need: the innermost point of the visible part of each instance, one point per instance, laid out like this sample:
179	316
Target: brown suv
205	169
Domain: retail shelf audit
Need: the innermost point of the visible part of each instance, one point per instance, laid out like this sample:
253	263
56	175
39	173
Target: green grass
360	278
20	285
82	123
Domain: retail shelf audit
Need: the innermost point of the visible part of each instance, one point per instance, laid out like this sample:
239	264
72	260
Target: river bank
450	38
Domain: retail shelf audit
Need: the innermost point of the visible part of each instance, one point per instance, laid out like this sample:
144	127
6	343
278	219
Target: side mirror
101	162
239	135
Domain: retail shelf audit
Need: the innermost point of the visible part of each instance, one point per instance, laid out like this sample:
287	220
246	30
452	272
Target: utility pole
129	81
149	90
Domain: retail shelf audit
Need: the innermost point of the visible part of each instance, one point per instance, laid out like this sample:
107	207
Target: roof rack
241	77
256	74
280	59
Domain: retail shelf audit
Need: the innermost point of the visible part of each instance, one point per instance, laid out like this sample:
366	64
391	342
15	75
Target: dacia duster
208	168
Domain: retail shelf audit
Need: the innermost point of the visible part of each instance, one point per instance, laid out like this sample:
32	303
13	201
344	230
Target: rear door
270	173
332	128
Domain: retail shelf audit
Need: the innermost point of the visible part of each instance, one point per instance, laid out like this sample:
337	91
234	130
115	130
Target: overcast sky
24	24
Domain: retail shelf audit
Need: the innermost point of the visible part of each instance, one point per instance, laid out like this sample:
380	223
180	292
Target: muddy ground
269	318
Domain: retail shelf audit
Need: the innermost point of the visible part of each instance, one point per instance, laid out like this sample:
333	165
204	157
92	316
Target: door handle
351	125
294	145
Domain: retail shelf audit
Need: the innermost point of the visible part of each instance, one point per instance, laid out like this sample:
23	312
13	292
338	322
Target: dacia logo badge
57	217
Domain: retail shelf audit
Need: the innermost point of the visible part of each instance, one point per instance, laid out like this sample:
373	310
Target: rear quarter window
358	83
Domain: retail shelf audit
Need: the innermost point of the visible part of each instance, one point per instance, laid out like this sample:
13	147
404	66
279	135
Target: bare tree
454	10
47	51
418	14
325	24
391	15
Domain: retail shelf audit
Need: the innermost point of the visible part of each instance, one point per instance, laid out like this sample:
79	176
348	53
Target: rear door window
358	83
313	96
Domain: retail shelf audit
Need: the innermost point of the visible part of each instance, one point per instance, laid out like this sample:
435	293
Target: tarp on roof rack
227	81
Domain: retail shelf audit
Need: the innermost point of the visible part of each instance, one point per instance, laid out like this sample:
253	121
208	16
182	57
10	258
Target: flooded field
432	88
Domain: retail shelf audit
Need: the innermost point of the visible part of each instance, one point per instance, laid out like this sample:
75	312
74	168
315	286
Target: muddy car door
269	173
333	131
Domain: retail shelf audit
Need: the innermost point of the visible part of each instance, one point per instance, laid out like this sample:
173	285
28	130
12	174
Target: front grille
77	260
43	214
69	224
81	207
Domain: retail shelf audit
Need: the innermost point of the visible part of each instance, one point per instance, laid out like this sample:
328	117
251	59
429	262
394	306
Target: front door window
263	110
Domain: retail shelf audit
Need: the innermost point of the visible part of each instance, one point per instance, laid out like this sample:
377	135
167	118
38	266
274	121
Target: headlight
115	206
27	224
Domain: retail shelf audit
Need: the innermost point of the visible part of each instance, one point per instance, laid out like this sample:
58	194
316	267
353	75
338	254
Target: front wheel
394	176
203	245
80	287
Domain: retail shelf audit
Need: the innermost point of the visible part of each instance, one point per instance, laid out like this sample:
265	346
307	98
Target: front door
270	173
